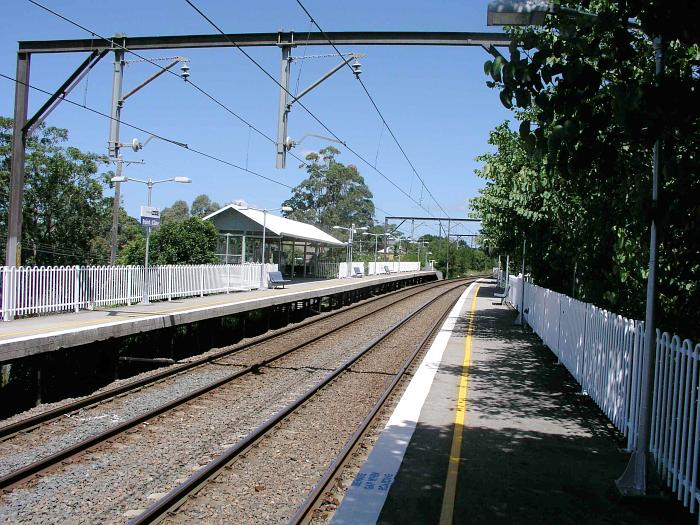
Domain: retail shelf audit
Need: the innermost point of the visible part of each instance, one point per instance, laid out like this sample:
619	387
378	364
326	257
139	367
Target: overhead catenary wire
114	42
302	105
156	135
376	107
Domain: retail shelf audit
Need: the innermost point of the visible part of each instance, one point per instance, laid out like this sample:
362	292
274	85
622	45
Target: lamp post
149	183
352	229
376	242
633	481
426	259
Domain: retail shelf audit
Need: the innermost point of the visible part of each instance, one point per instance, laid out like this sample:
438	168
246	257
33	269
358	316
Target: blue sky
434	98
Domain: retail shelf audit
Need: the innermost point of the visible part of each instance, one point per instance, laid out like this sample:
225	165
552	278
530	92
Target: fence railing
394	266
604	353
323	270
38	290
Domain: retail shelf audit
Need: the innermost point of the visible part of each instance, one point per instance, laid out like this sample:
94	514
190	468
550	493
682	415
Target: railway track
92	445
198	492
25	424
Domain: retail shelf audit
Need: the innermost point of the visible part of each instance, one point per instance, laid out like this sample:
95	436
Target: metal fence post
228	277
201	282
129	272
76	288
6	295
170	283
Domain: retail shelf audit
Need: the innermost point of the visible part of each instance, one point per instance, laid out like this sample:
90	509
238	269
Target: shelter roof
280	225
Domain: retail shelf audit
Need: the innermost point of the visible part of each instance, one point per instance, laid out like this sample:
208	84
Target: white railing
39	290
604	353
394	266
343	271
323	270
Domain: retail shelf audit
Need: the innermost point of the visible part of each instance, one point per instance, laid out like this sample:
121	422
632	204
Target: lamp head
337	227
183	180
120	178
287	208
517	12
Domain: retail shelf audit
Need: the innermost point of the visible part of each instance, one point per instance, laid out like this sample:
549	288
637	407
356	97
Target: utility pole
113	145
447	269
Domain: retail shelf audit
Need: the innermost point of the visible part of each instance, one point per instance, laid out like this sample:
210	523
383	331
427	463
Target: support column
113	145
283	108
305	244
13	249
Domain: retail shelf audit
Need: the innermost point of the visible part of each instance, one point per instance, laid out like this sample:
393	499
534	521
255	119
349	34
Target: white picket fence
603	352
39	290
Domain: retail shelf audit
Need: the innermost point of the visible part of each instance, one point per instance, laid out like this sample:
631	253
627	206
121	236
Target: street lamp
352	229
149	183
376	241
426	259
262	251
532	12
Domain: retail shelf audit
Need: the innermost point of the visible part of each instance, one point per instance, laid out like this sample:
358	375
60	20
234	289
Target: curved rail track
66	454
167	507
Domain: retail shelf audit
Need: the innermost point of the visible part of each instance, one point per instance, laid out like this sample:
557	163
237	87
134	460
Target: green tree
66	218
178	212
332	195
202	206
192	241
590	109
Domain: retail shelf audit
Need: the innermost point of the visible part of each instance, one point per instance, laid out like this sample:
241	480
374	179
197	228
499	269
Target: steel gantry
98	48
449	221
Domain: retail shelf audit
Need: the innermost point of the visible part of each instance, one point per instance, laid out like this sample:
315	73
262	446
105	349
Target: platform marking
367	494
448	500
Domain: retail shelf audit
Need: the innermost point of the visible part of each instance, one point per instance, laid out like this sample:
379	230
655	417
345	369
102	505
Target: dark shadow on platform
534	449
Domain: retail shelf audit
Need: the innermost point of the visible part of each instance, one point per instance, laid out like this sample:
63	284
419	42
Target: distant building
296	247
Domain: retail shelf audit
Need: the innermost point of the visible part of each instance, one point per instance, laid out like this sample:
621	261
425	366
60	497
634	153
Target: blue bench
275	279
358	272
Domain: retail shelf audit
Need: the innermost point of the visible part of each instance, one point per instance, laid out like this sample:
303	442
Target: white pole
262	266
146	275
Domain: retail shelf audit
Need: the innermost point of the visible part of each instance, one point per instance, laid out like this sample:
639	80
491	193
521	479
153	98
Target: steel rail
179	494
8	431
22	474
321	486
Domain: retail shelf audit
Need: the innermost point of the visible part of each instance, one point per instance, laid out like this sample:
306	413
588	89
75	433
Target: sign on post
150	216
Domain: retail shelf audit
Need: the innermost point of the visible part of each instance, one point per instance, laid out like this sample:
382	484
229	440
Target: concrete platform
491	430
36	335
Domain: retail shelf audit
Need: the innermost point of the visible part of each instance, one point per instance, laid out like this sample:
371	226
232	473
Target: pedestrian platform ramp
492	430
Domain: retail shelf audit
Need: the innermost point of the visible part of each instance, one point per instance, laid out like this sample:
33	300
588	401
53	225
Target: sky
434	99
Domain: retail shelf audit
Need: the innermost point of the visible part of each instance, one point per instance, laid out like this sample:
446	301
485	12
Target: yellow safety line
448	500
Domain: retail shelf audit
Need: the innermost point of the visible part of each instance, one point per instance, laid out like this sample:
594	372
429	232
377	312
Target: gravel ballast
115	480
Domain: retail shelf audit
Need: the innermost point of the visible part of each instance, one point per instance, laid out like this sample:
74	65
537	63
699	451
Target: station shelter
299	249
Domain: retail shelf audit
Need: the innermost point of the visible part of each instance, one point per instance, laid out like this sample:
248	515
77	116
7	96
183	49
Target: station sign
150	216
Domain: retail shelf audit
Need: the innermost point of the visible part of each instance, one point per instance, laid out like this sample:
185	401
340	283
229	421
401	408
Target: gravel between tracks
41	442
107	483
269	483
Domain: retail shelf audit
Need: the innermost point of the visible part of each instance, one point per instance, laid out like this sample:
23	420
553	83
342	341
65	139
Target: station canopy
240	218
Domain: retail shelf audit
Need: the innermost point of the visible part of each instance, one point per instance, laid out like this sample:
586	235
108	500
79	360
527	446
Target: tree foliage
332	195
576	178
192	241
178	212
66	218
202	206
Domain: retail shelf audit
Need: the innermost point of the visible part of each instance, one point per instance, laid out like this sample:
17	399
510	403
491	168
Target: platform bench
275	279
